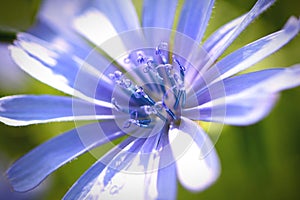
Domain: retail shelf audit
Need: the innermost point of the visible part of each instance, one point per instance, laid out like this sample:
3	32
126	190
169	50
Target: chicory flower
144	82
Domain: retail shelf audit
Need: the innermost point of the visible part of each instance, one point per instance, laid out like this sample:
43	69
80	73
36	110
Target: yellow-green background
261	161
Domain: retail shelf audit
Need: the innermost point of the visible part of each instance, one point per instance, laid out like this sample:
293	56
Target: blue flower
144	82
7	193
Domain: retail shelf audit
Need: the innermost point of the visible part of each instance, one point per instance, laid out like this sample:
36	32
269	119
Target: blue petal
158	13
159	168
191	27
104	34
116	16
258	50
221	34
88	26
268	81
160	16
241	111
59	14
85	183
243	99
166	177
78	48
196	159
121	13
250	54
167	181
27	172
105	20
130	171
84	186
60	70
45	32
233	30
194	18
29	109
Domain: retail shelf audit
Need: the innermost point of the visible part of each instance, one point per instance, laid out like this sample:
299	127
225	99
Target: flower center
154	90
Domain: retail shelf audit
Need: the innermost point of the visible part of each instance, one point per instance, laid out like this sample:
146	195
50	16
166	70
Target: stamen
141	123
162	51
158	72
150	61
182	68
179	82
119	80
181	96
181	92
134	114
141	58
170	73
115	76
127	60
154	110
158	106
126	83
149	66
167	78
178	63
150	110
169	111
139	93
169	69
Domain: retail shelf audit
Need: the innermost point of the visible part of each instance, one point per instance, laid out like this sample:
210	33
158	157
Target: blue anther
149	100
143	123
140	57
183	99
182	68
161	50
146	69
127	60
149	61
111	76
178	63
164	59
115	76
157	51
169	111
139	92
118	74
134	114
163	46
149	110
140	123
180	93
126	83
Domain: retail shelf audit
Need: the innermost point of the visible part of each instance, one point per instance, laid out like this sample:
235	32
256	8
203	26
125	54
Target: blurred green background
261	161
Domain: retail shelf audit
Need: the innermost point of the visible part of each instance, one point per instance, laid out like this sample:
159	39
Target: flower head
144	82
